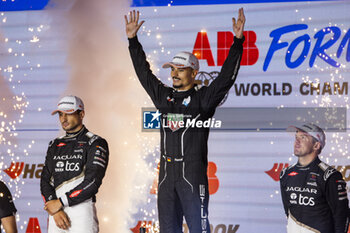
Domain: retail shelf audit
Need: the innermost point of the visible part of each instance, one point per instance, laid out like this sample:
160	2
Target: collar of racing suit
315	162
72	135
181	94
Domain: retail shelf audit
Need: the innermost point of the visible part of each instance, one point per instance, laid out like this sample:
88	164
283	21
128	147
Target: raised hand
238	26
132	25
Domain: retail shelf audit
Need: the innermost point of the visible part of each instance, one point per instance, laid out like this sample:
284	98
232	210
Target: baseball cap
183	60
69	104
311	129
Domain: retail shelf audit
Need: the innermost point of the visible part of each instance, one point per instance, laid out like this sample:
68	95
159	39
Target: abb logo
29	170
212	179
275	171
202	48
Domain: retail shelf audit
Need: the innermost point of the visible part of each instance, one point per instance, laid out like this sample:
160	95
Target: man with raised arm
183	181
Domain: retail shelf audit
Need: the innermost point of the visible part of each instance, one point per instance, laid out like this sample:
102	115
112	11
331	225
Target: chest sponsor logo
78	151
313	177
312	183
81	143
59	166
293	174
170	99
299	199
67	157
72	167
66	166
301	190
61	144
186	101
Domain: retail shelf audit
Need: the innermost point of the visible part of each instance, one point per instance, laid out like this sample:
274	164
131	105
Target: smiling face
305	145
71	122
183	78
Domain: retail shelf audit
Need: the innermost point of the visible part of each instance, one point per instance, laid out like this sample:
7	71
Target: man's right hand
61	219
132	25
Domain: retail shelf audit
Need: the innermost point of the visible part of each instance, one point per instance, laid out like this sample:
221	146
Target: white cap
69	104
183	60
311	129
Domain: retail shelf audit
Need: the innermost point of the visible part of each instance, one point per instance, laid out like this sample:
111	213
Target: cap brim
69	111
170	64
54	112
293	129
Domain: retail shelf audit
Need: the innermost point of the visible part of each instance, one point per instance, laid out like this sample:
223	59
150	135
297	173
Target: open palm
238	26
132	24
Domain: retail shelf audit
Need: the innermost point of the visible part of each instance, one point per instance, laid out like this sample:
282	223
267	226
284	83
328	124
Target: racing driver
313	193
183	181
75	165
7	210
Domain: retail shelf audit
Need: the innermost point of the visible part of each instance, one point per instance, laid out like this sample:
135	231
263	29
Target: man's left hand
53	206
238	26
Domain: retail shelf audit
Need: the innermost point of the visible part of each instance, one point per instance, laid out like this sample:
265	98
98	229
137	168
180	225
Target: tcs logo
202	48
212	179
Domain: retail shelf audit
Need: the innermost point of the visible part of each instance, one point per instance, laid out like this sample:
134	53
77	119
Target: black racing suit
314	198
183	182
7	207
75	165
